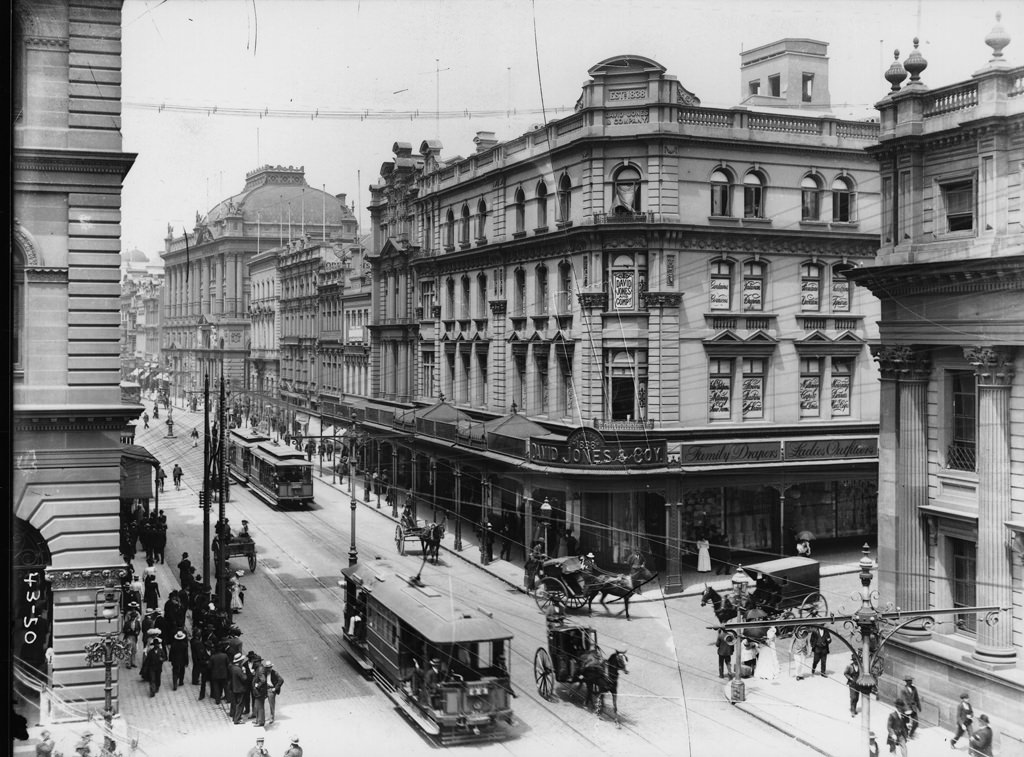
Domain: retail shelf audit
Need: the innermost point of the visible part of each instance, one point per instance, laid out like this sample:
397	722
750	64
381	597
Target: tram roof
281	454
249	435
439	617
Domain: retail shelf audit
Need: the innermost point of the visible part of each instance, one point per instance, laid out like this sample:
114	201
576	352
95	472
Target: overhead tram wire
363	114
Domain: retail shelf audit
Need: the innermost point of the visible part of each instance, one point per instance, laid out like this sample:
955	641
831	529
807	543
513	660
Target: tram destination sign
587	447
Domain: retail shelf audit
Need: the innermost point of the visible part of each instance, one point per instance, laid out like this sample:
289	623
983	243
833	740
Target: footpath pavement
814	711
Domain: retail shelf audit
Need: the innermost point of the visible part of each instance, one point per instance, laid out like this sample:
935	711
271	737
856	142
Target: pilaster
994	373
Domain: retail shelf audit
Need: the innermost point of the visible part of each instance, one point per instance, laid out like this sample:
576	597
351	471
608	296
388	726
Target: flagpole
302	223
323	216
257	232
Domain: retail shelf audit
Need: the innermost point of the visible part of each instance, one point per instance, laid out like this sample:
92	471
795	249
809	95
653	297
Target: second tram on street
240	445
445	666
281	475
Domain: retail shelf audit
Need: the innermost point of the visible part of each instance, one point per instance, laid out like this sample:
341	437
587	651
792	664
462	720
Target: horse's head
619	661
709	595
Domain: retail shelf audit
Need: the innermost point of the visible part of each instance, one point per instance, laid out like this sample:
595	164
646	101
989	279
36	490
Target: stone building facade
68	416
206	306
638	320
950	277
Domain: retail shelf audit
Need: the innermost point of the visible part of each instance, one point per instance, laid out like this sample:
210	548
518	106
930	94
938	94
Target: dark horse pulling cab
446	667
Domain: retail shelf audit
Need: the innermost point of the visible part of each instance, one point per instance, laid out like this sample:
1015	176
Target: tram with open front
240	445
281	475
446	667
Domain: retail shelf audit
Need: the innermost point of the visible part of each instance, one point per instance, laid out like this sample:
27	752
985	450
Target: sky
379	71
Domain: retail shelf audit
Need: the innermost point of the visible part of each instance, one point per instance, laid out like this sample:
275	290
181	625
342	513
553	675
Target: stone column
994	372
233	306
218	285
204	286
914	368
674	567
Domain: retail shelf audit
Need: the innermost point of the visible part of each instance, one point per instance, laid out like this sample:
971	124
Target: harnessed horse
620	586
430	540
602	676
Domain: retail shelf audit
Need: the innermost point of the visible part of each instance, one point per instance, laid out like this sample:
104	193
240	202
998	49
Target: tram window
483	652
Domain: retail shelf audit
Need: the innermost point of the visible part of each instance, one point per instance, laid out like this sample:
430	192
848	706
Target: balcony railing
625	218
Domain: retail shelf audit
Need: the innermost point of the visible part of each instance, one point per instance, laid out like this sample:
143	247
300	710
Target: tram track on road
477	589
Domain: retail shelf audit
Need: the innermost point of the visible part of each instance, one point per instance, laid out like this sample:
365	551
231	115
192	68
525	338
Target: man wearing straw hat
294	750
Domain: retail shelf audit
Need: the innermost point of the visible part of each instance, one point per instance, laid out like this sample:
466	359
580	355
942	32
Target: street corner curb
483	568
780	727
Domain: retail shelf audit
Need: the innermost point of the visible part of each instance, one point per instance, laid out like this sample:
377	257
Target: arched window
810	287
753	285
542	290
481	295
721	193
519	206
842	201
810	199
753	195
626	194
481	221
449	230
519	303
542	205
564	288
464	229
564	199
466	297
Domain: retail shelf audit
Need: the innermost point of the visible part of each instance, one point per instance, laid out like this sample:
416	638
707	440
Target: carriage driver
408	521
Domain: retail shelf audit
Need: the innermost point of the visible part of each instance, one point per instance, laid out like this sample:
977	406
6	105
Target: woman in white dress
768	661
703	556
234	587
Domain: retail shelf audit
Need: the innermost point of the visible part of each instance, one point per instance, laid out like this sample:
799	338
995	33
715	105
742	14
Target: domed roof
271	190
135	256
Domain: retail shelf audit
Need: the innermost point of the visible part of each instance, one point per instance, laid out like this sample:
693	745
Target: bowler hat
435	660
964	695
983	718
908	679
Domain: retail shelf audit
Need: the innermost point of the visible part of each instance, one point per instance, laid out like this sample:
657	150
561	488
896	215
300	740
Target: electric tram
240	444
280	475
446	667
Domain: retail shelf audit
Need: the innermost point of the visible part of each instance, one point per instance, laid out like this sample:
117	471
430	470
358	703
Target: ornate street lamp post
110	649
545	521
740	585
876	626
353	553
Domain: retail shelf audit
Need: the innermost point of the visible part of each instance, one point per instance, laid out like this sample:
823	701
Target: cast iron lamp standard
740	599
876	626
545	521
110	649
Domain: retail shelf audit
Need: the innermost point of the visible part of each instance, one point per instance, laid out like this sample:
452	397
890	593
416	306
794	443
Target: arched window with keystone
626	191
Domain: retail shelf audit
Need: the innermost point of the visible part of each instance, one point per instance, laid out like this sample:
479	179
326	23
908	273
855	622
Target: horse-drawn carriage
785	588
575	582
428	534
572	657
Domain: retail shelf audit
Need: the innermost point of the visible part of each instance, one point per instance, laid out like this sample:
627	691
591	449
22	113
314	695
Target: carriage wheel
813	606
543	673
252	561
548	590
575	601
786	631
399	540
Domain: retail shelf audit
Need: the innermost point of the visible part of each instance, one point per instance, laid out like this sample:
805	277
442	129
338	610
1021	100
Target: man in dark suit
725	652
431	678
238	687
219	668
821	640
912	699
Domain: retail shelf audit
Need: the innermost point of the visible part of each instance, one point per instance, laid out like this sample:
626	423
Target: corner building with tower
635	321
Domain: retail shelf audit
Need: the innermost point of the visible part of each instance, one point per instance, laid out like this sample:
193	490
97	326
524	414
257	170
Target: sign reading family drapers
778	450
624	290
587	447
730	453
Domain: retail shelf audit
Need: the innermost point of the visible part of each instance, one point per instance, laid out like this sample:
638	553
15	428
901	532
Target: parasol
804	536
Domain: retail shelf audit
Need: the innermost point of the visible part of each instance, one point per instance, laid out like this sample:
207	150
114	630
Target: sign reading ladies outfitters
586	446
829	449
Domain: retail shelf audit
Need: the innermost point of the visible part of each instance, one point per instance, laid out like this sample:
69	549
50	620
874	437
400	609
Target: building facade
68	417
141	288
206	298
634	322
265	325
950	275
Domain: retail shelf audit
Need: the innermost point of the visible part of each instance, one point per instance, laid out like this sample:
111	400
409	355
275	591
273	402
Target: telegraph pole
222	583
204	495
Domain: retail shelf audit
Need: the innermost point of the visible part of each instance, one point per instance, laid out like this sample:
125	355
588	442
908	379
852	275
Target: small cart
406	533
242	545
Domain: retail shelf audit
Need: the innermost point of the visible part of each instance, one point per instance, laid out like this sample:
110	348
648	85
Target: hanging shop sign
588	447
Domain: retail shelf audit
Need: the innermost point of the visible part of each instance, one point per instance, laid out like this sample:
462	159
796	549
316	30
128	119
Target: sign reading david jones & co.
588	447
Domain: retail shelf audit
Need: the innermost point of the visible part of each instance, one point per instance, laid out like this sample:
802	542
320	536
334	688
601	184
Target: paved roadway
670	703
